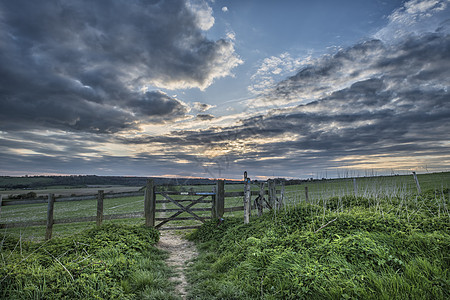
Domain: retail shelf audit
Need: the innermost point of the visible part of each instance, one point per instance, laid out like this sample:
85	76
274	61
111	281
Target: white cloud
414	17
273	68
203	13
225	9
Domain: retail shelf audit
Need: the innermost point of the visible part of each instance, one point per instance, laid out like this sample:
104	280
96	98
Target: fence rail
216	198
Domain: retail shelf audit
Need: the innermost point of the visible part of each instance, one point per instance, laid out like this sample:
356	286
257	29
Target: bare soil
181	252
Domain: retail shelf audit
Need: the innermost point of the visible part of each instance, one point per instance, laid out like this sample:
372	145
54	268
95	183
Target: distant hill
33	182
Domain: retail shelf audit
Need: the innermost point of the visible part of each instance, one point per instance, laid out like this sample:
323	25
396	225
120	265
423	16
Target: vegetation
35	182
109	262
342	248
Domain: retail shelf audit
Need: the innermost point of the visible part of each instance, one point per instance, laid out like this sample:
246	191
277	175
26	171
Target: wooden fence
217	208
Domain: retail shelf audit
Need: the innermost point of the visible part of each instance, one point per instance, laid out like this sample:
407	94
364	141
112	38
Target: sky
202	88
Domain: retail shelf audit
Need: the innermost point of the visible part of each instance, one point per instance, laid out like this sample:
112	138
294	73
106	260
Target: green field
378	189
385	241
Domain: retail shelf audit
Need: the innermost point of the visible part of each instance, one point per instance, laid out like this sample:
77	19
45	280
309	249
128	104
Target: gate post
218	206
247	194
150	204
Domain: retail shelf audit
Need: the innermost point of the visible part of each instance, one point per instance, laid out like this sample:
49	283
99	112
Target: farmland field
385	242
376	239
376	188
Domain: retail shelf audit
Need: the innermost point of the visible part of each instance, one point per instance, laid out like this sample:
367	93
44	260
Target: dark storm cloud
205	117
78	65
156	105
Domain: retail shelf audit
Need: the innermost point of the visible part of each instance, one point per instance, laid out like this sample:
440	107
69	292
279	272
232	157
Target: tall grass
385	242
109	262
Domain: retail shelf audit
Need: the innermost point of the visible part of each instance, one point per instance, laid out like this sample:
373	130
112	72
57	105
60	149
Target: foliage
342	251
109	262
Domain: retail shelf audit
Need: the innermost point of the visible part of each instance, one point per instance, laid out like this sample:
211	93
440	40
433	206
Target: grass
110	262
385	242
378	189
344	247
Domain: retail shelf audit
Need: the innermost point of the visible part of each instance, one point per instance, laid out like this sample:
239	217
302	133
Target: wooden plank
177	209
50	209
184	200
180	218
150	204
131	215
76	198
99	208
180	211
185	193
182	207
124	195
75	220
241	194
20	202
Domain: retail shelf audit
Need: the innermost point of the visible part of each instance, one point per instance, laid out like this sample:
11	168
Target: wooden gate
182	204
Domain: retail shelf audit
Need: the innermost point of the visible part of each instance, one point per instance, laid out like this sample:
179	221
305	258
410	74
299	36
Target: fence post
281	202
272	193
150	203
355	187
50	208
259	204
306	194
246	199
1	203
100	197
219	208
417	182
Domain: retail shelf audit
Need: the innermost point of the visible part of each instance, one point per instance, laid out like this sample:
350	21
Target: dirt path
181	251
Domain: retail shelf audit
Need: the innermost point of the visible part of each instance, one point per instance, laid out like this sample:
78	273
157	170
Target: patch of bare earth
181	251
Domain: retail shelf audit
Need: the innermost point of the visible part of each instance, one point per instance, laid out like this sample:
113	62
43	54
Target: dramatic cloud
378	107
82	65
72	71
414	18
272	68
